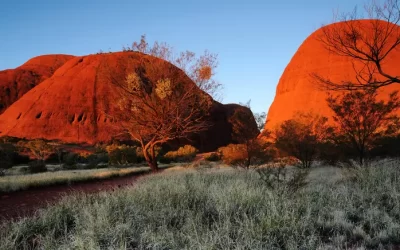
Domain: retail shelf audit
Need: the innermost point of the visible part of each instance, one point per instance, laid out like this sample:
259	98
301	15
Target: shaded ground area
26	202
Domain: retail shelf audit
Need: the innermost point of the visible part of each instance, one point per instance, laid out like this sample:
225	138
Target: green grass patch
25	181
221	209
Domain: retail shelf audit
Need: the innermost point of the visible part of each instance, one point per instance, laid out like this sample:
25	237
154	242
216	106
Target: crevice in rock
71	119
19	116
80	117
39	115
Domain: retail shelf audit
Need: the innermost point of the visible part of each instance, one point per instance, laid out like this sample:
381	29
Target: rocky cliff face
14	83
298	90
75	104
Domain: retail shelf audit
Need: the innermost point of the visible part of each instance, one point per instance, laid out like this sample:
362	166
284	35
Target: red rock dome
298	90
75	103
14	83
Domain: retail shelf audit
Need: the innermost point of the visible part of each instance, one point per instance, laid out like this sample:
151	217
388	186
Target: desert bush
6	156
301	137
212	157
102	157
335	154
121	154
183	154
53	158
386	146
70	160
253	153
37	167
232	154
281	176
20	158
92	161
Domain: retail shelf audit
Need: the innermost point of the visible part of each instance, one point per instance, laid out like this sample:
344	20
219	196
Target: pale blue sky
255	39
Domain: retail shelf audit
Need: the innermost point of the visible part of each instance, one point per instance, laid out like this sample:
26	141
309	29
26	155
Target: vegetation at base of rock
212	157
301	137
183	154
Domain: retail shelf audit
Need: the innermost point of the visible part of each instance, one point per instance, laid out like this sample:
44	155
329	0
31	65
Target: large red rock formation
74	105
297	89
14	83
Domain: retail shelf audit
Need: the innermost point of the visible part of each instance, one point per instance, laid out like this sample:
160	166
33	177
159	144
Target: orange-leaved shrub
183	154
233	153
253	153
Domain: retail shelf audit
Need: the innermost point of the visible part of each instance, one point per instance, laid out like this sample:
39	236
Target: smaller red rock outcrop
14	83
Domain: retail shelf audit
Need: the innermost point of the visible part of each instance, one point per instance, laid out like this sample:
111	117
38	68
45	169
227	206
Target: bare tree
301	136
200	69
368	43
159	104
360	118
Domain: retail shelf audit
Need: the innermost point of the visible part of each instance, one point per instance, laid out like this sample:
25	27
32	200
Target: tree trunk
150	158
361	156
154	159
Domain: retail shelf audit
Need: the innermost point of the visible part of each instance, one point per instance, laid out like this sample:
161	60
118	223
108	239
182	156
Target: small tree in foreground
361	119
159	104
301	136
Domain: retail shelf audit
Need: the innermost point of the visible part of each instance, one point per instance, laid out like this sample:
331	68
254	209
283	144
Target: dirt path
24	203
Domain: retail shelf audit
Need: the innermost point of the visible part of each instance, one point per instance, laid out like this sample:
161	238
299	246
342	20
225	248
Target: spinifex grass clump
224	209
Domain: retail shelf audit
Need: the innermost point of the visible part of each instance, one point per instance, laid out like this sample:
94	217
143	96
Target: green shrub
37	167
93	160
183	154
212	157
6	156
280	176
122	155
70	160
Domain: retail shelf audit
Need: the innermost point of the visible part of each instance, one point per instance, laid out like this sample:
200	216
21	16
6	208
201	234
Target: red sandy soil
23	203
297	89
